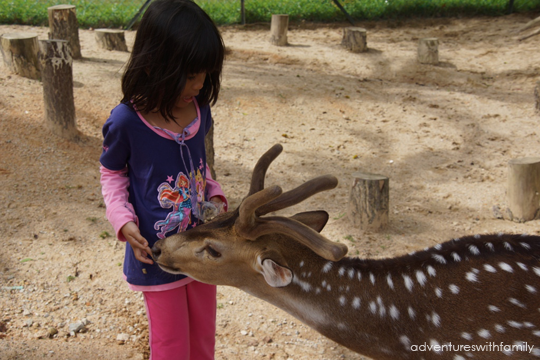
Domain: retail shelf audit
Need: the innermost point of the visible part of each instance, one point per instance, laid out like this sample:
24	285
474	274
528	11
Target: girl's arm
214	190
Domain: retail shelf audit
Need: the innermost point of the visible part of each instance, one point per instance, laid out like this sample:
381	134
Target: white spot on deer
458	357
382	309
328	287
438	292
454	289
431	271
530	289
456	257
435	346
515	324
466	336
536	270
474	250
359	276
421	278
356	302
506	267
483	333
490	268
471	276
536	333
477	236
493	308
324	283
372	278
439	258
301	263
490	246
342	300
350	273
408	282
508	247
405	341
522	266
304	285
517	303
317	290
535	352
394	312
499	328
373	307
326	268
341	271
525	245
438	246
412	313
389	281
528	325
436	319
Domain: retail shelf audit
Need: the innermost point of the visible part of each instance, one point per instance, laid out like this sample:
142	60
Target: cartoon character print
179	199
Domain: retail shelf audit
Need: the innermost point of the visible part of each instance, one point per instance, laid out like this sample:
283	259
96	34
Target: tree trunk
278	30
57	77
369	201
354	39
524	188
111	39
210	153
20	53
537	97
428	51
63	25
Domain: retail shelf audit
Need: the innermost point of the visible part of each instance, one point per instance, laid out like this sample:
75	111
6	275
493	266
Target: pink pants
182	322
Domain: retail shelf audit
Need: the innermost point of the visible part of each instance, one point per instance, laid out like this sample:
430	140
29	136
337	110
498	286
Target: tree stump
369	201
278	30
57	78
524	188
537	97
428	51
20	53
111	39
63	25
354	39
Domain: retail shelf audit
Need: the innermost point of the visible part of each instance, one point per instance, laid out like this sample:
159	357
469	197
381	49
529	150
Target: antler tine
259	172
299	194
247	220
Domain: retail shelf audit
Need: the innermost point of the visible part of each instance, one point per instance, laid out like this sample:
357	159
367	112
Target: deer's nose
156	251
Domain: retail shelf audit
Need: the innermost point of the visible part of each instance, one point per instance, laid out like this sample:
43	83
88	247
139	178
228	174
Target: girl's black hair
175	39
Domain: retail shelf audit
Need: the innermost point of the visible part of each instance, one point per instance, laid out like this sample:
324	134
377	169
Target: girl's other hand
218	202
138	243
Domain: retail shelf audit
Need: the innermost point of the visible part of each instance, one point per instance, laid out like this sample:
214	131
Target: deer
472	297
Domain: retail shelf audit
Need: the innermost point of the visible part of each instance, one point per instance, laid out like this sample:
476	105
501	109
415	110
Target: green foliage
118	13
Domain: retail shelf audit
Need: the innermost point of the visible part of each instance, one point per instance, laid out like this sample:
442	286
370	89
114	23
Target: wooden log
537	97
355	39
63	25
369	201
428	51
530	24
20	53
524	188
111	39
278	30
57	78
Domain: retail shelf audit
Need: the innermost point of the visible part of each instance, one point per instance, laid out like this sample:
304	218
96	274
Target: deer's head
244	241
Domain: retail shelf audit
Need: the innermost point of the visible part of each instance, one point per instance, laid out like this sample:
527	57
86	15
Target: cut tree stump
111	39
278	30
57	78
63	25
428	51
20	53
369	201
354	39
524	188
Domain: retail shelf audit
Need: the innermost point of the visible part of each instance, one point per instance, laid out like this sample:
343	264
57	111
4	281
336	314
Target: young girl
155	180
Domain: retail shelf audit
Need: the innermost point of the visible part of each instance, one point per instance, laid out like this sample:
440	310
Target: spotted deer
474	297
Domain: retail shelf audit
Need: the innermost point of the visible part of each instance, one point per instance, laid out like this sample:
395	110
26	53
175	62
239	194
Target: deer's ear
314	219
274	274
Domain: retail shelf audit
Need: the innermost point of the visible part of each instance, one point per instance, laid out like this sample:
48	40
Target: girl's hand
219	203
138	243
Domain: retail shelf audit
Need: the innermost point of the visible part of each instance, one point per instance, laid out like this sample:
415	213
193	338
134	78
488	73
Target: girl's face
194	84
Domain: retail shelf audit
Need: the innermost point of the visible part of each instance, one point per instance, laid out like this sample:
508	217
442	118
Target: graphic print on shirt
179	199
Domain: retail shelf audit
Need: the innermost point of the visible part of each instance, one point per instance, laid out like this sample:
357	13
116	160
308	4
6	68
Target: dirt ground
442	134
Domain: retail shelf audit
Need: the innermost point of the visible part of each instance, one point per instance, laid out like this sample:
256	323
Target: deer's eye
212	252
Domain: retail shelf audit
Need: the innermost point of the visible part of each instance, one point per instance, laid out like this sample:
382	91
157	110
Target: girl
154	176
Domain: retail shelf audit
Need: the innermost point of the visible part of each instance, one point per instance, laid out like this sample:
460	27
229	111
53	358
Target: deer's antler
261	201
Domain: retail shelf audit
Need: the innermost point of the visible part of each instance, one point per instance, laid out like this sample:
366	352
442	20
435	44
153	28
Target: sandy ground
442	134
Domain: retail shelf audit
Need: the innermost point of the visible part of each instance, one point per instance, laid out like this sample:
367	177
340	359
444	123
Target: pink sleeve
114	187
214	189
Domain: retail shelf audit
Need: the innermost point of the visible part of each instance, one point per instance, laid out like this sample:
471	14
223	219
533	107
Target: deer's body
474	291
